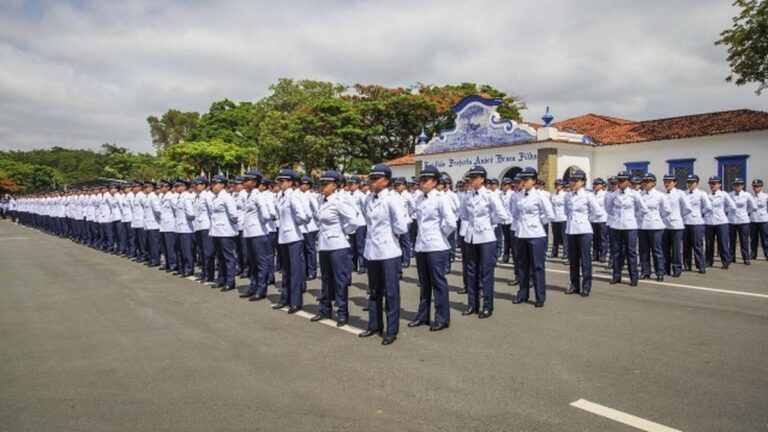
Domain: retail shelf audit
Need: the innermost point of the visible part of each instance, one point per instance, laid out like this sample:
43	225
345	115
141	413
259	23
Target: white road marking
329	322
621	417
652	282
13	238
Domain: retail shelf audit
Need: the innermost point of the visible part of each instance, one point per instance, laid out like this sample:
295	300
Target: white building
729	143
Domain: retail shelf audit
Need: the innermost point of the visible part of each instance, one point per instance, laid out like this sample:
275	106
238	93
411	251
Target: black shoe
702	271
513	282
279	306
369	333
485	313
676	275
687	268
257	297
571	291
318	317
584	293
417	323
659	278
389	339
746	262
438	327
247	294
519	300
341	323
468	311
539	304
462	291
633	283
614	281
228	288
293	309
724	267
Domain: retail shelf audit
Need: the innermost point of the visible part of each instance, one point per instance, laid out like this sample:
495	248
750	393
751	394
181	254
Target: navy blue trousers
336	276
672	247
310	253
108	236
273	255
186	257
558	239
205	243
758	231
693	246
531	255
481	264
405	247
224	248
722	234
383	283
507	249
498	232
258	257
580	257
624	246
122	237
432	281
294	274
360	235
650	247
153	246
140	238
742	232
169	250
242	255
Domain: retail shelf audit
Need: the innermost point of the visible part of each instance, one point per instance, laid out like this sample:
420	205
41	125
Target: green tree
193	157
747	42
171	128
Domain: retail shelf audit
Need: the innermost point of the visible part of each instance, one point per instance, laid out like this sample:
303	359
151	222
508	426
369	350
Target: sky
77	74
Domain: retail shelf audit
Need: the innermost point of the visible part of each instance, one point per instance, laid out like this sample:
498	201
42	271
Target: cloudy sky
80	73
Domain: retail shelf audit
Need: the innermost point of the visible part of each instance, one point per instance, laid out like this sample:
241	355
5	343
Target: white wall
608	160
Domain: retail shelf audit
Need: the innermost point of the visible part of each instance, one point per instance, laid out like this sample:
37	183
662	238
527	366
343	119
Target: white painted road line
596	275
621	417
329	322
693	287
13	238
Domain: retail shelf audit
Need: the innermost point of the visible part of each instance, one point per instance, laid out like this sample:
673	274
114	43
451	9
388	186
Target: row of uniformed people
527	210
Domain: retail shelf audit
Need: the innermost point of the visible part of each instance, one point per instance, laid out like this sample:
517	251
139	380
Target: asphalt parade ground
95	342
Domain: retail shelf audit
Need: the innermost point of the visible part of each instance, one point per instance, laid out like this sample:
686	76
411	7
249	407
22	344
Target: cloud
81	73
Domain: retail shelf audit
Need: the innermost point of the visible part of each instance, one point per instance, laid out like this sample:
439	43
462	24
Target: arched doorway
510	173
567	173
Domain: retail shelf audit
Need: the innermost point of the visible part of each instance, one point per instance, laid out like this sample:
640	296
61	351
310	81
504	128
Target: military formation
219	229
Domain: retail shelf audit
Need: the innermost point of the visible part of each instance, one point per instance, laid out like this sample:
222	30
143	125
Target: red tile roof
611	130
405	160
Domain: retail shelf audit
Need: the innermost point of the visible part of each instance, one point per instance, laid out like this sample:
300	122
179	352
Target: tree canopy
309	125
747	42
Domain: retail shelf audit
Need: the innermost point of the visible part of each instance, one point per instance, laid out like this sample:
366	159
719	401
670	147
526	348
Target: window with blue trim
680	168
636	169
731	166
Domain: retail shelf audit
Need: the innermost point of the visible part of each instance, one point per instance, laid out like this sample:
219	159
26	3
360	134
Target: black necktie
375	196
526	194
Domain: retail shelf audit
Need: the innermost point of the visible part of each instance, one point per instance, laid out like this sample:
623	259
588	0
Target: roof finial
547	118
423	137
